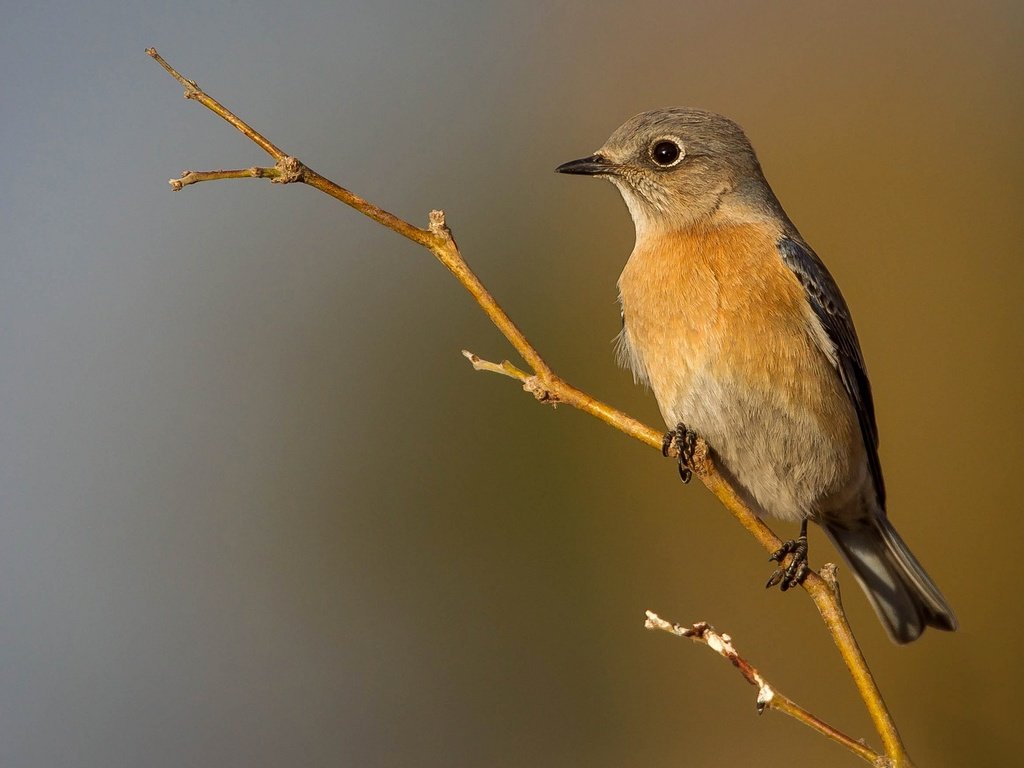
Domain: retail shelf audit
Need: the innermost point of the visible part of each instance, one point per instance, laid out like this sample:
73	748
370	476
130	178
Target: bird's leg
797	570
684	440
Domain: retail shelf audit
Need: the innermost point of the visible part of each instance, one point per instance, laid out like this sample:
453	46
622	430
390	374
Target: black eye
666	153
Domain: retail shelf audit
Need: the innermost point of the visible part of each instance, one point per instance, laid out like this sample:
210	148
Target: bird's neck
729	213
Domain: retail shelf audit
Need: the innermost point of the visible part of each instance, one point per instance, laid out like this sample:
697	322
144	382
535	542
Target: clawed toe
794	573
684	440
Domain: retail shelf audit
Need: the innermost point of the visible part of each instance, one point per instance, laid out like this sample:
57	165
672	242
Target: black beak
594	165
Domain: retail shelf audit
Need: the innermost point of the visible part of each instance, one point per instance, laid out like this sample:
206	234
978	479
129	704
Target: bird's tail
904	597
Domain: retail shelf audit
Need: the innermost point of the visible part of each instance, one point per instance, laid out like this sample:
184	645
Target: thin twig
548	387
768	697
193	91
194	177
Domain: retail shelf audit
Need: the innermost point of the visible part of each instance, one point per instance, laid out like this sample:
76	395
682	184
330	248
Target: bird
740	331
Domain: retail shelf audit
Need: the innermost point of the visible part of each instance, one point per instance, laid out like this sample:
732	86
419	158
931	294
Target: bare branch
192	91
505	368
194	177
546	386
532	384
768	697
287	170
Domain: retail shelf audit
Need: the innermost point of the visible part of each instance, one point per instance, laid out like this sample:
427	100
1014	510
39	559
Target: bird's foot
794	573
684	441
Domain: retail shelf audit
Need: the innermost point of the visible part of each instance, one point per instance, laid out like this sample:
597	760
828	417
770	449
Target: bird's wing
831	309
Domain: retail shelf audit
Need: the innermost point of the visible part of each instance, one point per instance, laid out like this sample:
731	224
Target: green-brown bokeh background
256	510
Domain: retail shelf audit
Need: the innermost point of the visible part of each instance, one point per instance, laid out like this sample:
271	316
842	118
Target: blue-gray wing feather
831	309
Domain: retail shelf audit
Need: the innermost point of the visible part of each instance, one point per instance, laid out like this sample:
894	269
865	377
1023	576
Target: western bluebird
742	334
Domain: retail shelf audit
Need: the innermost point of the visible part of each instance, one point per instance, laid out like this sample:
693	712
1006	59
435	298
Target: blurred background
256	509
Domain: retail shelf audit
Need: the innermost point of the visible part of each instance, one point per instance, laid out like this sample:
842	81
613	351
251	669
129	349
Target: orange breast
720	304
720	328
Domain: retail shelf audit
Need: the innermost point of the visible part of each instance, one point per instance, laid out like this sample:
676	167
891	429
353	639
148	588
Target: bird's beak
595	165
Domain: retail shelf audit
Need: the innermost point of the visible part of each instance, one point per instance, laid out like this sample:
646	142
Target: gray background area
256	510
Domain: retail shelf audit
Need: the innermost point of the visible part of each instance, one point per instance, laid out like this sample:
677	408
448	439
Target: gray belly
788	461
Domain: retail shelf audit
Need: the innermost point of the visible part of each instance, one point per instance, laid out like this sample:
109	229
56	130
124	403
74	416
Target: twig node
290	170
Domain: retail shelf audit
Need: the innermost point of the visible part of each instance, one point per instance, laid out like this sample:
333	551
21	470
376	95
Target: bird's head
679	168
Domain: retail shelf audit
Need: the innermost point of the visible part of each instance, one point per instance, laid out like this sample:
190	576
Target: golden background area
257	510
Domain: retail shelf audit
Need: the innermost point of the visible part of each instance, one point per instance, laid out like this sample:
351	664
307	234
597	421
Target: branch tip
654	621
479	364
437	223
829	573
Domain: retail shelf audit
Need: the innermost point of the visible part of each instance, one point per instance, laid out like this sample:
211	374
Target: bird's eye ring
667	152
